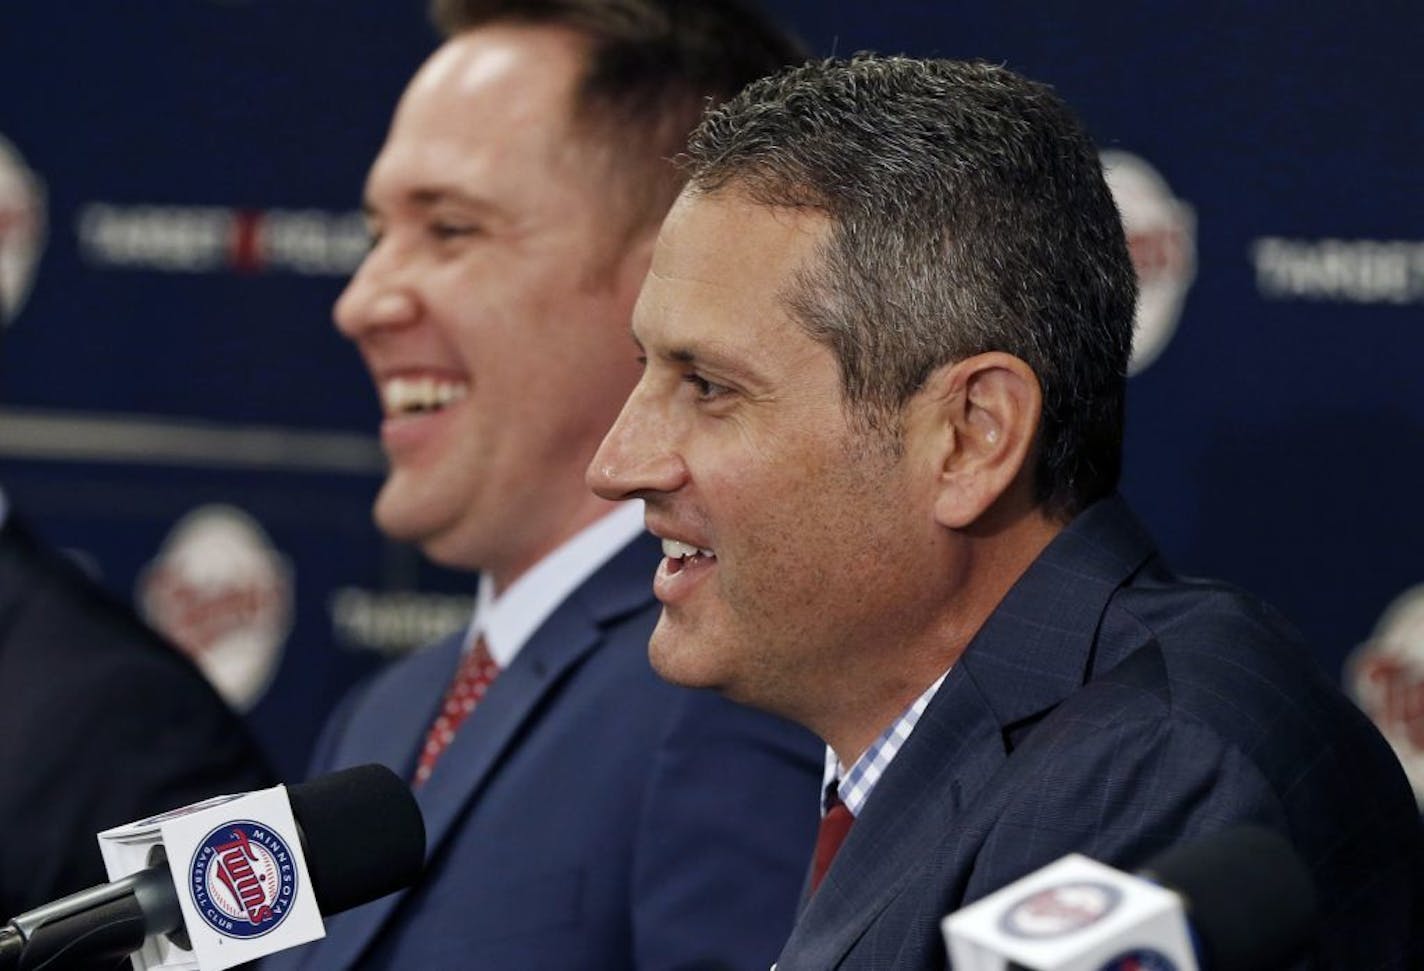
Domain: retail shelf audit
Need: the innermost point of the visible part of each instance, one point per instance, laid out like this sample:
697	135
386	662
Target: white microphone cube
241	878
1073	915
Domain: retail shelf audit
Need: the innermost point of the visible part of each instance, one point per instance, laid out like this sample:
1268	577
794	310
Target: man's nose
379	296
639	455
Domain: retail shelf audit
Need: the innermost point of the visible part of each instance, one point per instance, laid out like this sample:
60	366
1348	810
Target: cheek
776	534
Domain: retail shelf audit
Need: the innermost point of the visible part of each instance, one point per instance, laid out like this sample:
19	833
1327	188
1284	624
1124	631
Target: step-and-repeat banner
179	194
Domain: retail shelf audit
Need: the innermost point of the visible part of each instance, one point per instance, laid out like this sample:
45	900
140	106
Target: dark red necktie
835	824
472	678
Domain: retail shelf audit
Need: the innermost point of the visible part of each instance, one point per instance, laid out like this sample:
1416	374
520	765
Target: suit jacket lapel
622	585
566	637
1034	650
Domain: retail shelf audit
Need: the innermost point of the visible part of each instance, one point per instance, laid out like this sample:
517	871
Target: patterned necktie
477	670
835	824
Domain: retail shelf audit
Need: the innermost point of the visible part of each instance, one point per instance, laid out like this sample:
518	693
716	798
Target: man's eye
706	390
453	230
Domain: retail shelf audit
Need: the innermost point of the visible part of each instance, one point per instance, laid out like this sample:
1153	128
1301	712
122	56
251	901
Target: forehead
490	103
724	266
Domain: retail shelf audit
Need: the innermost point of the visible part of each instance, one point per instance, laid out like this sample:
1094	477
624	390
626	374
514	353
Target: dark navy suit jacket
101	723
587	815
1110	708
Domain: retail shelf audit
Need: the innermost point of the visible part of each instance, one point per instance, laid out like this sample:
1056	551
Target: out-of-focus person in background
102	722
887	328
581	813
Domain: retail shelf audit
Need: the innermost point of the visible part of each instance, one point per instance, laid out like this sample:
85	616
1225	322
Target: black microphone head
362	834
1248	895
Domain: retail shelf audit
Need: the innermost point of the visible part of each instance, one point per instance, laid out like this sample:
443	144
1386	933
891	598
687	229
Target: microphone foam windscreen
1248	895
362	832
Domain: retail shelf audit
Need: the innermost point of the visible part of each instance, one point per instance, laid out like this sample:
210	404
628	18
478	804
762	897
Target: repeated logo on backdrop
22	230
1162	237
1358	271
223	593
221	239
1386	677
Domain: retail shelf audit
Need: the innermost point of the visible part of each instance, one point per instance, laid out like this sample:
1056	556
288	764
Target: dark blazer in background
1110	708
101	723
588	816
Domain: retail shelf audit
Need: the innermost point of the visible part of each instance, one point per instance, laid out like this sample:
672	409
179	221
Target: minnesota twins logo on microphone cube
242	881
1073	915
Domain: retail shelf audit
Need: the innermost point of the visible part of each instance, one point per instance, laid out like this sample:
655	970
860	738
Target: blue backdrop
178	186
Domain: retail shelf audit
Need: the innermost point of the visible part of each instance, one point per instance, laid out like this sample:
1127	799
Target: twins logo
243	879
1060	910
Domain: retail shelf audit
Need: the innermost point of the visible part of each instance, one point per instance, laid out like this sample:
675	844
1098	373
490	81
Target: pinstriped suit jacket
1110	708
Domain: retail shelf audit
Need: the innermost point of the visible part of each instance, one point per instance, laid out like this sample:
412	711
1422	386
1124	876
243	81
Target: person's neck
990	559
506	573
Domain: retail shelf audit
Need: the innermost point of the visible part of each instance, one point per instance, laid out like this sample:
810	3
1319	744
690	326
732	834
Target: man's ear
980	418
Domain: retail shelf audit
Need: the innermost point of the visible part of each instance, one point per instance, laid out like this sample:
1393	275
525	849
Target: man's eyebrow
732	366
701	354
429	198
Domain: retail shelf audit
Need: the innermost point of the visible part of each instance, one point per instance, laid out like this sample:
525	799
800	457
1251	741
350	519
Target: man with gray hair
886	332
580	812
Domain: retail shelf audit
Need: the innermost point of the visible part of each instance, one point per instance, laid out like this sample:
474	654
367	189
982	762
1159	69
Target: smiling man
886	332
581	813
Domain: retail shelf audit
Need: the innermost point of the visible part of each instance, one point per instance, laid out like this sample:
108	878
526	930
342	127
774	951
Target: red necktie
473	677
835	824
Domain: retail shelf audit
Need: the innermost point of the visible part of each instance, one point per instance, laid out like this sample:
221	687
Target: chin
684	660
393	520
405	522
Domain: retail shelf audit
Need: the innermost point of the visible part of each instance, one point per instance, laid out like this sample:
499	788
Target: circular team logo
22	230
1162	239
1386	677
243	879
1141	959
223	593
1061	910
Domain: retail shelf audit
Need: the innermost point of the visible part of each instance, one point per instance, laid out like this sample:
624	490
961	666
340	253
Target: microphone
1241	900
359	829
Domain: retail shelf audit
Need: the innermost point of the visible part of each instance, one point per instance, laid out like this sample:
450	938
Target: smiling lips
414	407
682	568
416	396
680	554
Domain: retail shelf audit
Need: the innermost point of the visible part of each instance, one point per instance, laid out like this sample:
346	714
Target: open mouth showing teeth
415	396
680	555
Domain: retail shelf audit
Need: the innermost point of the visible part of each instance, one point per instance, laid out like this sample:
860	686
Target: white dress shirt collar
508	621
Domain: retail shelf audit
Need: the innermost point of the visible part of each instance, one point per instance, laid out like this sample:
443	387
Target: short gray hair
969	214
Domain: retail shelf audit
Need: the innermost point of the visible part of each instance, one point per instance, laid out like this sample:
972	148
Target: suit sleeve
727	826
